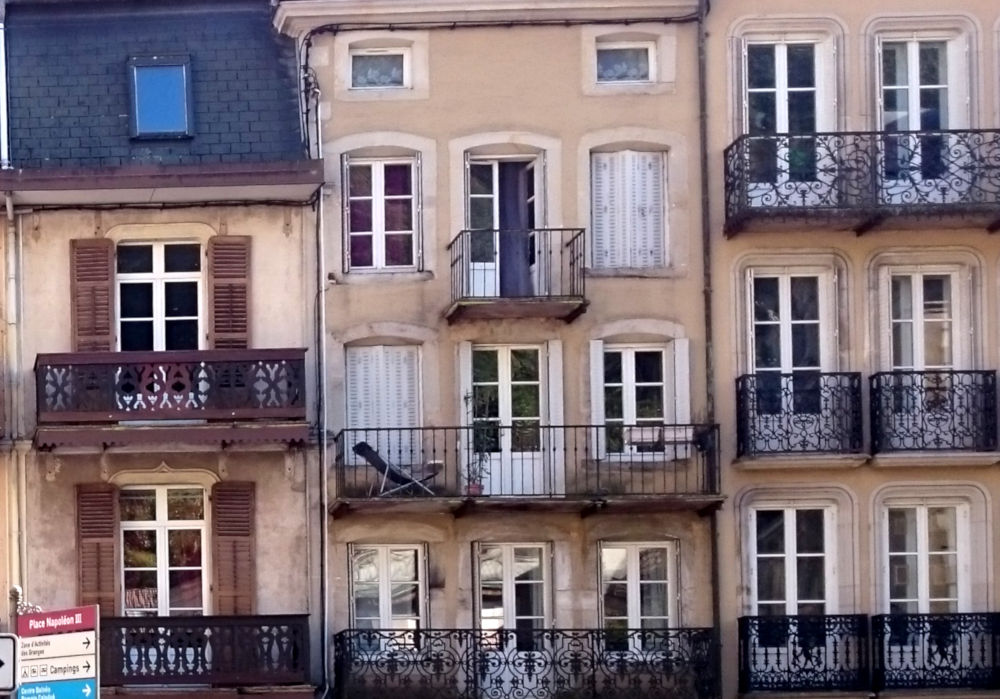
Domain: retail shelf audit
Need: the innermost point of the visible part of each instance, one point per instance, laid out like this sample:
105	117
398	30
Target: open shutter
646	209
97	546
556	419
597	397
682	380
233	554
229	291
92	274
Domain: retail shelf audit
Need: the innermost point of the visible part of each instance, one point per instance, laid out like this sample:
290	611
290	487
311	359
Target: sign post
58	654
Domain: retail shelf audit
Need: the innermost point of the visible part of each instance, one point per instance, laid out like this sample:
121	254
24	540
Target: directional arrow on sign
86	690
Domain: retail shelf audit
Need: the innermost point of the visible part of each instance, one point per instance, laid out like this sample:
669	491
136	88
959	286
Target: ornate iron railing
212	650
936	651
100	387
933	410
517	264
869	175
804	653
528	460
798	413
527	664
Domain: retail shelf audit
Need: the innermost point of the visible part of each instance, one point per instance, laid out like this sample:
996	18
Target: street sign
57	645
73	667
67	689
58	654
8	662
59	621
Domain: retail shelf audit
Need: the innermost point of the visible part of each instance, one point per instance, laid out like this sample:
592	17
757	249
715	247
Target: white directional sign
73	667
58	645
8	662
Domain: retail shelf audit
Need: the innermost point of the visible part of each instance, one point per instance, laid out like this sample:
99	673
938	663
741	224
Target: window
380	68
635	398
792	560
638	591
383	400
160	88
381	225
159	296
926	568
514	592
625	61
628	209
922	317
506	399
163	532
387	589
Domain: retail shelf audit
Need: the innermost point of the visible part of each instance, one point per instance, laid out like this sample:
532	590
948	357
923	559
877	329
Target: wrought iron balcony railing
864	176
933	410
806	412
528	460
805	653
527	664
517	273
107	387
207	650
936	651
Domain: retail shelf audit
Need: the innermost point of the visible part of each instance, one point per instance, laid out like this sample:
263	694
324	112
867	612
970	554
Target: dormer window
160	88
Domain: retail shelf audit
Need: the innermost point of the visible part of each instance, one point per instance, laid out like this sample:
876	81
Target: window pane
527	564
137	505
801	71
134	259
765	299
366	600
181	299
613	403
615	600
360	180
485	366
653	564
771	579
613	561
399	215
480	179
649	367
405	600
648	402
361	251
809	531
903	577
612	367
902	529
490	564
622	64
762	110
185	503
767	347
140	589
182	258
525	401
805	298
943	574
364	565
360	215
811	574
481	218
403	565
528	600
161	99
932	63
653	599
801	120
379	70
805	345
181	334
760	66
524	365
399	250
398	179
185	588
942	529
770	531
137	336
139	548
136	300
894	64
184	547
486	401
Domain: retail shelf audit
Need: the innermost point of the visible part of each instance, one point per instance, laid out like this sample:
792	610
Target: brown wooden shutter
92	274
233	555
97	545
229	291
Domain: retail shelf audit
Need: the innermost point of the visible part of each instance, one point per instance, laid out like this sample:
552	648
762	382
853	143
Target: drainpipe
4	128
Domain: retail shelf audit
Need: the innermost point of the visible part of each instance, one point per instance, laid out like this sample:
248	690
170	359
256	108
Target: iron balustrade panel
210	650
867	174
518	264
936	651
804	412
803	653
527	460
527	664
933	410
203	385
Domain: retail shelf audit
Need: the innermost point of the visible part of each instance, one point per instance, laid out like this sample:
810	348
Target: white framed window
159	295
514	592
388	590
380	68
625	61
628	212
507	399
163	536
638	591
381	213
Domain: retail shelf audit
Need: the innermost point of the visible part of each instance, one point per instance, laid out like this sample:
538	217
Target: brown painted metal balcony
859	180
537	273
208	650
108	398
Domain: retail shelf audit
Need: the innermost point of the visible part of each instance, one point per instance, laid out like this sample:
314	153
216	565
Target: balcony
222	651
805	653
801	413
670	464
858	180
933	411
535	273
207	396
936	651
527	664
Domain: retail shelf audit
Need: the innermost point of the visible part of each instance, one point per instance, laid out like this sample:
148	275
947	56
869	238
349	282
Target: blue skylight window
161	97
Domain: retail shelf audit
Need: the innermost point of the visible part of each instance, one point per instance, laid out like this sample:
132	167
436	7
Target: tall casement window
628	209
514	589
383	399
157	295
923	329
164	531
638	591
792	567
144	550
381	213
387	589
926	558
636	391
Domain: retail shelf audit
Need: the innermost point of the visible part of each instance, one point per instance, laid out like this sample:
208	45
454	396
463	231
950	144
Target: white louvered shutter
606	220
645	208
362	395
401	407
597	398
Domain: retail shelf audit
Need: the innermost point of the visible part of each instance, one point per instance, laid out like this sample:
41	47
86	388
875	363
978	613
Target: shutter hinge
288	223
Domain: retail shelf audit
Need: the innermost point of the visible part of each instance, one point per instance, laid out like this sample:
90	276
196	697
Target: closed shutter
645	208
606	226
401	405
97	546
362	389
92	273
233	554
229	291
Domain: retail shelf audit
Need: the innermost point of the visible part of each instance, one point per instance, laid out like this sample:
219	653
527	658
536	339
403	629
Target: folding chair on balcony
396	477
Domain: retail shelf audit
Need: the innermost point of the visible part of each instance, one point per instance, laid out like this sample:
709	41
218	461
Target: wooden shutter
97	546
229	291
597	397
92	274
233	548
646	208
402	383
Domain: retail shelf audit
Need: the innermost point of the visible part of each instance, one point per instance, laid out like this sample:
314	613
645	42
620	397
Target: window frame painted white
509	584
386	620
649	46
404	52
633	582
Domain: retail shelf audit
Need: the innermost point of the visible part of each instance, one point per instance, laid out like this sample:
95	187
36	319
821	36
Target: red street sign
59	621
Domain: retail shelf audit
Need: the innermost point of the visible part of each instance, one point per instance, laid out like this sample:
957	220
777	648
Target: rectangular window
925	558
381	215
380	68
635	398
792	560
514	591
387	592
628	209
619	62
159	287
160	88
163	533
638	592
